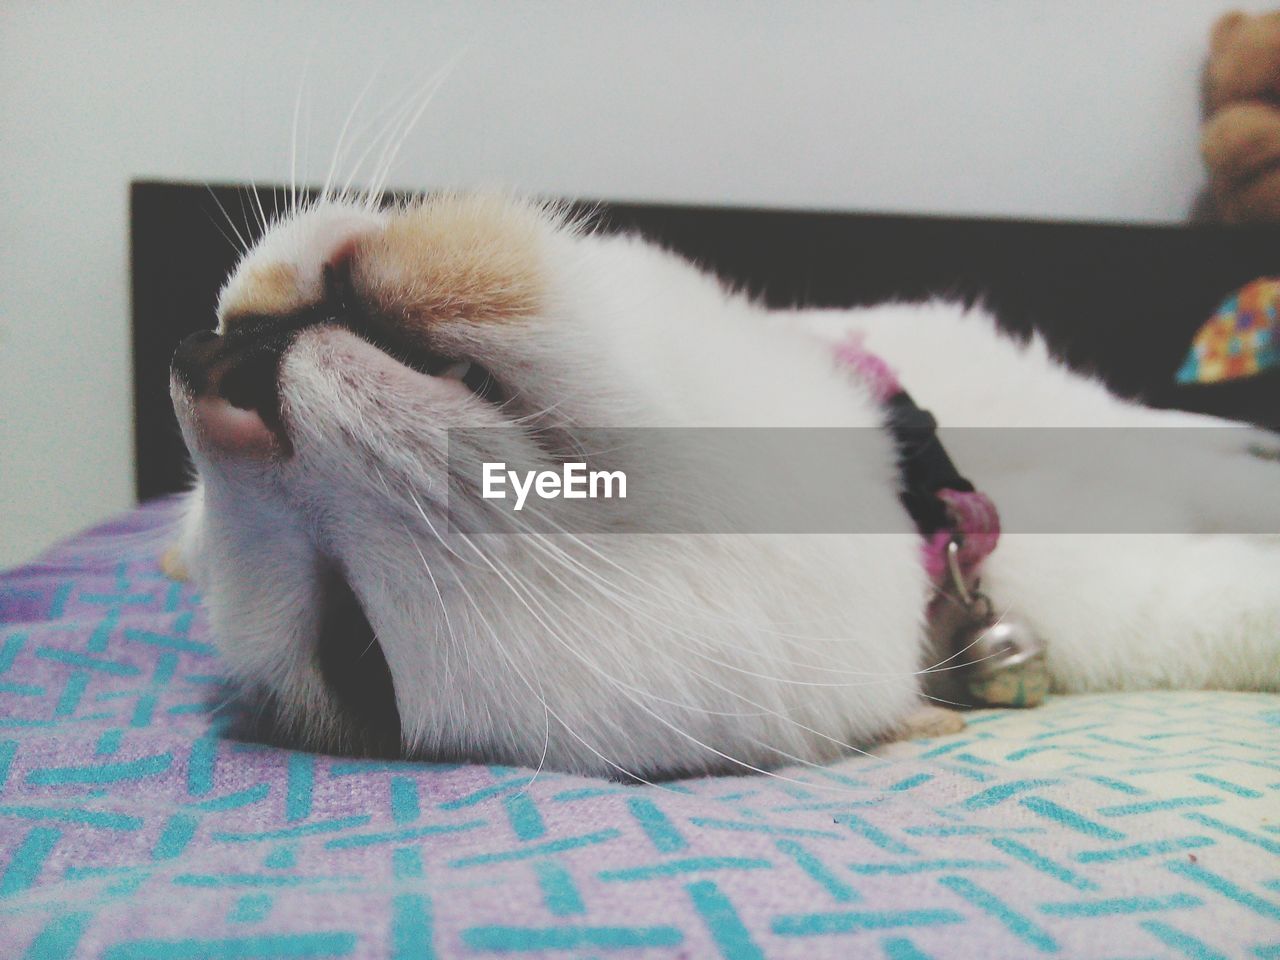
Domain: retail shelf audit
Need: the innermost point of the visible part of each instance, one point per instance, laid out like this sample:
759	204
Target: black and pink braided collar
943	503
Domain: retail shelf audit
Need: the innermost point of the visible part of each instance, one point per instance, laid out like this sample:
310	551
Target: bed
1117	826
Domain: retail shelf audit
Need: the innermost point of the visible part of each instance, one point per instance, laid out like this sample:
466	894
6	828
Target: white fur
655	654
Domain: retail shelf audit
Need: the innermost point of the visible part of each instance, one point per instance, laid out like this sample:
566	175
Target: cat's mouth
234	377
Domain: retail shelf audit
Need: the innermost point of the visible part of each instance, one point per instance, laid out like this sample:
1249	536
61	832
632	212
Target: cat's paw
928	721
173	566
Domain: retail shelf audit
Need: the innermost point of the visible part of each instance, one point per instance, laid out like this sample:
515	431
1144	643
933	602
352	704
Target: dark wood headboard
1121	300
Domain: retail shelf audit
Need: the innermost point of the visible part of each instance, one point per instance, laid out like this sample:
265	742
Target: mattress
1108	826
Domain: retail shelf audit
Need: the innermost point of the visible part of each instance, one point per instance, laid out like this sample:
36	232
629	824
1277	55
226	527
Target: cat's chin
232	431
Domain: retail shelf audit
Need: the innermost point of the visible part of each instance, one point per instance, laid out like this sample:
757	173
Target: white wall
1085	109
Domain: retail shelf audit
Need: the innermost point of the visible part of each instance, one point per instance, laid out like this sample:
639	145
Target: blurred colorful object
1240	340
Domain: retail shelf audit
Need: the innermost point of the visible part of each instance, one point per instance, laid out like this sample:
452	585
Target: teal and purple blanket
1135	825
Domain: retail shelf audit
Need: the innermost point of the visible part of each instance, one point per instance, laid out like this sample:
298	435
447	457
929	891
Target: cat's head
350	342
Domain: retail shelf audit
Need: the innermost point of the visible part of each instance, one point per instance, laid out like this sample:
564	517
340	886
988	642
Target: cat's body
325	507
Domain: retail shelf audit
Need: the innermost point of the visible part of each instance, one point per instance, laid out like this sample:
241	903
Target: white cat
350	340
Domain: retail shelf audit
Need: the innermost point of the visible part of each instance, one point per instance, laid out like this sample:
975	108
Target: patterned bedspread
1138	825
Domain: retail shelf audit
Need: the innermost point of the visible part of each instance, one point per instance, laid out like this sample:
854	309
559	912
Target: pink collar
973	522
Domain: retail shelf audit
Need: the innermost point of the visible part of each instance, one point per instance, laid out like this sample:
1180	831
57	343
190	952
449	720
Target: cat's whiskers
515	583
225	236
499	645
707	643
454	645
263	222
423	513
581	570
244	246
760	709
609	761
391	117
426	93
697	612
763	709
660	616
396	125
564	558
547	711
539	693
703	614
624	689
941	666
341	147
293	141
532	539
544	543
248	215
529	417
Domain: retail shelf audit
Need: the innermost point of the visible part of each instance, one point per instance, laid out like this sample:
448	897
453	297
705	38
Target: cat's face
349	343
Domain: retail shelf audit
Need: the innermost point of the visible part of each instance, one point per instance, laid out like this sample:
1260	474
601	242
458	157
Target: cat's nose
234	383
194	357
242	370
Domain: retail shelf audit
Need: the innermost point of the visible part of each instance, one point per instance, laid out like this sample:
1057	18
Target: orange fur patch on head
474	258
271	289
